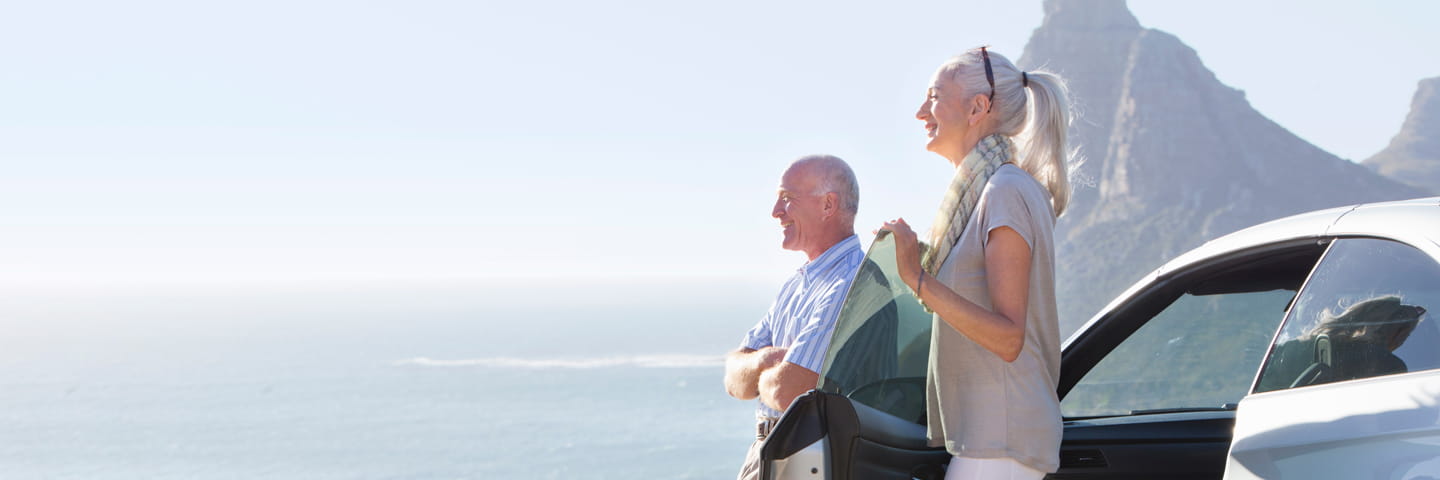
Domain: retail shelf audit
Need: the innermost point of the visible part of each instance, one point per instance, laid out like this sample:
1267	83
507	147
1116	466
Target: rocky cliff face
1413	156
1174	157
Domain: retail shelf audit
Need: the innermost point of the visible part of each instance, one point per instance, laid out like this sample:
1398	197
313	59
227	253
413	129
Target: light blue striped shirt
802	318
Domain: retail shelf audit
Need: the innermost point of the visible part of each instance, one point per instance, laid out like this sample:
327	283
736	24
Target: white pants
964	468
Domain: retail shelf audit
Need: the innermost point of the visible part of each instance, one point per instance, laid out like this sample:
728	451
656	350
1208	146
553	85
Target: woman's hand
907	251
1001	328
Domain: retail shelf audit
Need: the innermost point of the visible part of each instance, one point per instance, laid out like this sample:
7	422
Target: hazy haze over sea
375	381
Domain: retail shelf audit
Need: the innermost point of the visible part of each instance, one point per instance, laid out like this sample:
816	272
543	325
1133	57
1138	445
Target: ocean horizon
372	383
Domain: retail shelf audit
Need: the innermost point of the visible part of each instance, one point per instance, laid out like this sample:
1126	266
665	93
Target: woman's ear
979	106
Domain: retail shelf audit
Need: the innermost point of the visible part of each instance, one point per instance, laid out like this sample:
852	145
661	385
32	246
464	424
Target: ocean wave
640	361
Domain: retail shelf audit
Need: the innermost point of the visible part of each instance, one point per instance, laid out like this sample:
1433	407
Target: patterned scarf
970	179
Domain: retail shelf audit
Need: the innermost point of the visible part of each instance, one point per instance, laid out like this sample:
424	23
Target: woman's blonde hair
1032	108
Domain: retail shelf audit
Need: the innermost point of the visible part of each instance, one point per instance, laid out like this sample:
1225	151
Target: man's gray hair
836	177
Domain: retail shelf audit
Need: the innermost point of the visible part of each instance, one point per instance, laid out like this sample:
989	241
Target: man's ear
831	204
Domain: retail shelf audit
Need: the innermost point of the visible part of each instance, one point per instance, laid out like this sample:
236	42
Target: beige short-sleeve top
978	405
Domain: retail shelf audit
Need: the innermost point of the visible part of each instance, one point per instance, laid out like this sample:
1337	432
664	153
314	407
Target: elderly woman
988	273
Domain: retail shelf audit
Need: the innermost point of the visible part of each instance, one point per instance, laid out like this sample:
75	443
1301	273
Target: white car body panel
809	462
1383	428
1412	222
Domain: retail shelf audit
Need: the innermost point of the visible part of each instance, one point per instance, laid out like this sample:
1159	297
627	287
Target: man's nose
778	209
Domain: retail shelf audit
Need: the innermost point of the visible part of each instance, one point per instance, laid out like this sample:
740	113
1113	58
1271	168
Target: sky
267	142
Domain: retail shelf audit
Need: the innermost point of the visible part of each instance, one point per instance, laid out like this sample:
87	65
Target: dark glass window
881	346
1200	353
1193	340
1363	314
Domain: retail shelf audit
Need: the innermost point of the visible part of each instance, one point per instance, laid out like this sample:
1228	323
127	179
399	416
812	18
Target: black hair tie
1024	80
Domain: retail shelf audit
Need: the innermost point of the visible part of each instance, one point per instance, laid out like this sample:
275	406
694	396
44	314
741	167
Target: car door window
881	346
1200	352
1192	339
1364	313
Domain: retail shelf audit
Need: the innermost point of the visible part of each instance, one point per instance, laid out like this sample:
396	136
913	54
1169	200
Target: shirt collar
823	262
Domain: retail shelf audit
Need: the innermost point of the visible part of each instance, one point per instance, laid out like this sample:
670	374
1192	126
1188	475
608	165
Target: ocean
404	383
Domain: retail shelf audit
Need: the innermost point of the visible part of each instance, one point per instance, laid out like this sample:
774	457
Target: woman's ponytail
1043	142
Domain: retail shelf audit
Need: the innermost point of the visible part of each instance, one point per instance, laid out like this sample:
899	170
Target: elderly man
780	357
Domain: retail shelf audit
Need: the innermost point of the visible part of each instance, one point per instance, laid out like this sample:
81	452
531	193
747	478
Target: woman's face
946	116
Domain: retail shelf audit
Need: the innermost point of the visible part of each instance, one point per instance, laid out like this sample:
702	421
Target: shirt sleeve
1005	206
759	335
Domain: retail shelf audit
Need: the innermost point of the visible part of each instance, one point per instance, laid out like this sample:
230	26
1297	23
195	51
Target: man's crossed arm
765	374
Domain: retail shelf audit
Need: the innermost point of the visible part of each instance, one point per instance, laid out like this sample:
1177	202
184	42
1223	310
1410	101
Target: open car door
866	418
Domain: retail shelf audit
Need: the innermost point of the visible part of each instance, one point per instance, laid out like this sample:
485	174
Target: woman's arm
1007	266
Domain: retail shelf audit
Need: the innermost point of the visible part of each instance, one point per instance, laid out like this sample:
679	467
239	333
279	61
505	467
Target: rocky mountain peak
1089	14
1173	156
1413	156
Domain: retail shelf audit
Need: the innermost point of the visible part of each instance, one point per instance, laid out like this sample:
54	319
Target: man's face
799	209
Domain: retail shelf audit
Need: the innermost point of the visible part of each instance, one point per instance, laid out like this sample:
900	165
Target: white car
1298	348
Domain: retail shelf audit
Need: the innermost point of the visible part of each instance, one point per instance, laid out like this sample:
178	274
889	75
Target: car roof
1415	222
